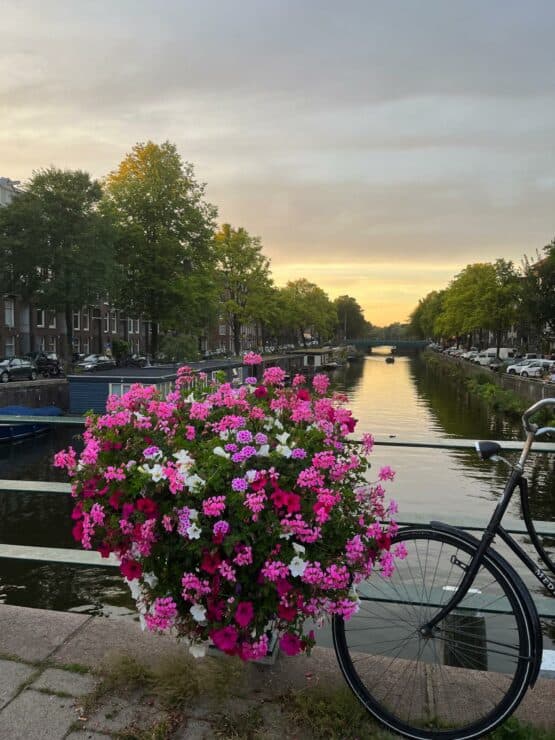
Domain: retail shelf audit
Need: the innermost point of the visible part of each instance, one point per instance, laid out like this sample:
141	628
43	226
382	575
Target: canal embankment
36	393
528	390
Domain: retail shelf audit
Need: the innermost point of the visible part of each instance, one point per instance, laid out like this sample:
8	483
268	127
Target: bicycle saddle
488	450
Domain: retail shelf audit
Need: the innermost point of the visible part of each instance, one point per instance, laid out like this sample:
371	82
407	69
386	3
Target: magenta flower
386	473
290	644
244	614
225	639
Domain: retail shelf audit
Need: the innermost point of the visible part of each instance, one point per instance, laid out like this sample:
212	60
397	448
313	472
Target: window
9	312
40	317
223	330
51	344
85	321
85	346
106	323
51	320
75	344
133	326
76	320
9	346
113	322
42	344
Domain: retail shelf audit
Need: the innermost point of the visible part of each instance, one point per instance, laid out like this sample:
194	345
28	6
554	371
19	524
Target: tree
424	318
164	245
55	245
309	310
538	293
350	316
464	307
245	282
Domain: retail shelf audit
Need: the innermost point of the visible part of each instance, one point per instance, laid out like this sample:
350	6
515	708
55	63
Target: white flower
250	475
134	588
283	437
193	532
194	481
277	422
190	398
224	434
130	464
198	612
299	549
263	451
286	536
220	452
193	515
297	566
142	622
283	450
269	423
197	650
184	460
150	579
156	472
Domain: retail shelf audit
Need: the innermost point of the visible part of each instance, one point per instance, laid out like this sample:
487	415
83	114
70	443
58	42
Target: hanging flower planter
235	512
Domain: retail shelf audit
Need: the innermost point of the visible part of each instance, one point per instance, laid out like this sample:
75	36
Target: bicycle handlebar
529	426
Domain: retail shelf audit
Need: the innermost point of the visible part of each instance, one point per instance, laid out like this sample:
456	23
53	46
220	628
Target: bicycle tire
477	680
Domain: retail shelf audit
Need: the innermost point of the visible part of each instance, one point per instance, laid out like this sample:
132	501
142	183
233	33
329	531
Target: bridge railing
69	556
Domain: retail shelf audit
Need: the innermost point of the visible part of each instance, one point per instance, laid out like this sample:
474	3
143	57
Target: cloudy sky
376	148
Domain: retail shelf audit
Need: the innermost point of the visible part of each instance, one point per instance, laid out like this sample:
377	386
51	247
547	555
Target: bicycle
448	645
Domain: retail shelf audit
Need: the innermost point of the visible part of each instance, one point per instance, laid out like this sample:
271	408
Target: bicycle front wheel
467	677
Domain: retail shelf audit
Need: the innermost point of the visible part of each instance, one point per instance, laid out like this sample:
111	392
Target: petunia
244	613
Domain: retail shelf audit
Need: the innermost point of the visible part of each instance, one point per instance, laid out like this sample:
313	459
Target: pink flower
290	644
274	375
244	613
251	358
225	639
320	383
130	569
386	473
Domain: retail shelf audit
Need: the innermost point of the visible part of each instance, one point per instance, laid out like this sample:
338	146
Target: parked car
17	368
136	361
536	368
516	367
96	362
47	363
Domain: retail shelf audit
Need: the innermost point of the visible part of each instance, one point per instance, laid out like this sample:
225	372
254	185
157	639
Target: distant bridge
402	345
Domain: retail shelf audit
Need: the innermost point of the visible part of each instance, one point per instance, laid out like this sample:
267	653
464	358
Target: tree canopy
55	246
164	238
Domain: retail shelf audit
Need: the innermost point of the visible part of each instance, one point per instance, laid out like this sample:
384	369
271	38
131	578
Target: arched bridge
401	345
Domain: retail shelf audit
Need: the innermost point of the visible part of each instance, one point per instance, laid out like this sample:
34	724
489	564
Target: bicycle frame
516	480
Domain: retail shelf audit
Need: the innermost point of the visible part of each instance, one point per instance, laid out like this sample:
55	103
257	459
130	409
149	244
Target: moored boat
390	359
12	431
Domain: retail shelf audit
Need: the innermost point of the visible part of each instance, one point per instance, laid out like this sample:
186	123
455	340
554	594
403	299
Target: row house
27	328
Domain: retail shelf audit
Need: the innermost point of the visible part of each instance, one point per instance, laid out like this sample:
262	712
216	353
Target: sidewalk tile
36	716
75	684
12	675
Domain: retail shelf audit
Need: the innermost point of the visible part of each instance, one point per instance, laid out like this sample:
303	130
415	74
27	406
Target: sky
376	148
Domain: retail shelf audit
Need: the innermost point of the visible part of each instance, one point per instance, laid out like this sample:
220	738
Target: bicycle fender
536	641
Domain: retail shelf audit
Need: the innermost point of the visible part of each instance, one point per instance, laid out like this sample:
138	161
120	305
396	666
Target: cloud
406	132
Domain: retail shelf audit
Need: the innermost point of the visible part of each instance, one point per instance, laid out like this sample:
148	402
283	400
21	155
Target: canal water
404	399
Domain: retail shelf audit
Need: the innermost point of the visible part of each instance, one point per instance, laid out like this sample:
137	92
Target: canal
405	399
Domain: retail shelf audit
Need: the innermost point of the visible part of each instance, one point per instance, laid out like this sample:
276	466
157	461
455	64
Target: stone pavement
51	679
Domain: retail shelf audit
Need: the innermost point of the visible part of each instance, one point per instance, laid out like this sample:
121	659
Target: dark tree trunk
236	336
154	338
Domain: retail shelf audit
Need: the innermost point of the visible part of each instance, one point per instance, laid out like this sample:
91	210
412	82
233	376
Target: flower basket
234	512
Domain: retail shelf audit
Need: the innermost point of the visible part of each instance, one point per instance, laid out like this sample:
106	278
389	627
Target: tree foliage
164	245
350	317
308	308
538	292
244	278
55	245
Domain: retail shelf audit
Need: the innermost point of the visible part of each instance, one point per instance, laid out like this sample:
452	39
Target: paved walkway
50	674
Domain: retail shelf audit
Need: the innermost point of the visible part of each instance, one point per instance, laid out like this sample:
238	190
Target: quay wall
530	389
36	393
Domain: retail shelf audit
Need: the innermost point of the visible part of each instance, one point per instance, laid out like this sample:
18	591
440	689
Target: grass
242	726
333	714
513	729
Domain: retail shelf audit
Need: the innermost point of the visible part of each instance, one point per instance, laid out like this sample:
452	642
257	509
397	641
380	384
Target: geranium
233	510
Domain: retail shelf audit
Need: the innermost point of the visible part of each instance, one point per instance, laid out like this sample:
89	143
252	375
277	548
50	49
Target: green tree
309	310
350	316
244	276
464	306
424	319
538	294
164	245
56	247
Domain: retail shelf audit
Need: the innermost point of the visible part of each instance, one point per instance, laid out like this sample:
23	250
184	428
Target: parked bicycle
447	647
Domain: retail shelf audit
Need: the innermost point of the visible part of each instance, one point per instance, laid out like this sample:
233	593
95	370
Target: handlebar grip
528	426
